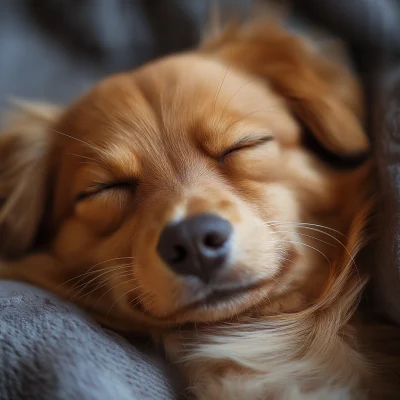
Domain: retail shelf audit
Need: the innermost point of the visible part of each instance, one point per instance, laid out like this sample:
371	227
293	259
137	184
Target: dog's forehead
171	107
171	91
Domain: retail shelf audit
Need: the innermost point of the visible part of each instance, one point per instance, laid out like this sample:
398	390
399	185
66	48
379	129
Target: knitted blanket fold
50	350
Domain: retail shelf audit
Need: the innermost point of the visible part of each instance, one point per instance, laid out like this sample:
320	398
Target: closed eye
99	188
245	143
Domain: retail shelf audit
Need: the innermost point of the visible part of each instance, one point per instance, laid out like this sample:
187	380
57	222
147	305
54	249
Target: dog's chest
237	367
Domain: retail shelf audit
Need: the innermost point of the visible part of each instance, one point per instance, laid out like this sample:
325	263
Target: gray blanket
53	50
51	350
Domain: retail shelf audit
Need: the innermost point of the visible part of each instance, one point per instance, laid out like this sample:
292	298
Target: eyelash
244	145
101	187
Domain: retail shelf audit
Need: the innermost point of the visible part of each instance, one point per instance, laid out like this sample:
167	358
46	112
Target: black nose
196	246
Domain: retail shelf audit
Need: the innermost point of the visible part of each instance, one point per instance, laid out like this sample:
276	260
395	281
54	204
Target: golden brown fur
162	133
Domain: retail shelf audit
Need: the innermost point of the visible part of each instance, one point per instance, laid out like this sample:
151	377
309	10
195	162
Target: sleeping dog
199	199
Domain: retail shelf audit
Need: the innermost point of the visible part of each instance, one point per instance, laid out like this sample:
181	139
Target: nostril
178	255
214	240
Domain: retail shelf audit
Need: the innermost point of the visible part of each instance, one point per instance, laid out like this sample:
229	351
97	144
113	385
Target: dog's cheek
72	241
103	213
93	219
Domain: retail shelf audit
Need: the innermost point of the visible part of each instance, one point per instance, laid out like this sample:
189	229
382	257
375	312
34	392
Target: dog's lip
222	296
217	297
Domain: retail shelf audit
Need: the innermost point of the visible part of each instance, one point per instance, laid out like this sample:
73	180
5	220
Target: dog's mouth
218	298
220	301
223	299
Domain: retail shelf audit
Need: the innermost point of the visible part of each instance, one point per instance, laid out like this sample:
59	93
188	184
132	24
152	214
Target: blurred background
54	49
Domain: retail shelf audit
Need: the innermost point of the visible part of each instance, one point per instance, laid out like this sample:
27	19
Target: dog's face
180	192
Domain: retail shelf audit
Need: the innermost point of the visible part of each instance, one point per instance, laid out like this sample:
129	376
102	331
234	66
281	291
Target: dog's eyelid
248	141
97	188
252	141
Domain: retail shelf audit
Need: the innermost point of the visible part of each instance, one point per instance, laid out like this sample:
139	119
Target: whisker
287	259
84	157
304	223
91	146
91	268
91	273
119	275
109	270
234	94
105	282
119	298
352	259
139	299
220	86
277	282
247	115
136	298
303	244
303	234
113	287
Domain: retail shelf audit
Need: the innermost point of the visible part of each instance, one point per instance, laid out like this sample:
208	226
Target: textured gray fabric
50	350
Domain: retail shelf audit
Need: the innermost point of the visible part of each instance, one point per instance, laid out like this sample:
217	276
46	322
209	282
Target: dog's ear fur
24	155
323	95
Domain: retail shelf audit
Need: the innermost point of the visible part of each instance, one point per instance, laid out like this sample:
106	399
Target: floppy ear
24	151
322	92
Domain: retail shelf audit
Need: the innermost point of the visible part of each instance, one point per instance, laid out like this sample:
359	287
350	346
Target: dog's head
186	190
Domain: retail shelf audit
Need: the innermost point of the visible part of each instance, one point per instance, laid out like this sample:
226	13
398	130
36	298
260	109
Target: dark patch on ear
337	161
